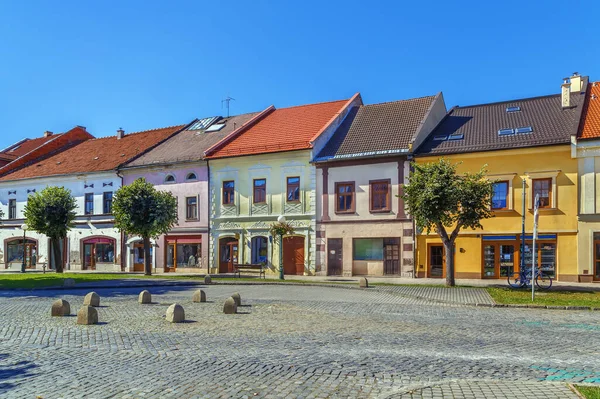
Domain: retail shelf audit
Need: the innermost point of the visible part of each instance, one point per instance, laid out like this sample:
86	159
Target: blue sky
146	64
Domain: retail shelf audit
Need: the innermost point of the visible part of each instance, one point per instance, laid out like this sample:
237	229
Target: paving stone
294	341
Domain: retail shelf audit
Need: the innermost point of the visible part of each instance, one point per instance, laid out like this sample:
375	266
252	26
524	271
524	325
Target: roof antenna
227	101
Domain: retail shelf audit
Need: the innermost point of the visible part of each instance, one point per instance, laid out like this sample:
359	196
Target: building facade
525	146
362	226
88	170
586	149
177	166
262	172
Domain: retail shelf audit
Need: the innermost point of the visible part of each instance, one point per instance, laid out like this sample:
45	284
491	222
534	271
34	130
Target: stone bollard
230	306
68	282
87	315
199	296
91	299
60	307
145	297
175	313
237	298
363	283
207	279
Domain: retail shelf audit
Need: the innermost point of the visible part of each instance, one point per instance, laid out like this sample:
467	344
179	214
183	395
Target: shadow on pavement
11	372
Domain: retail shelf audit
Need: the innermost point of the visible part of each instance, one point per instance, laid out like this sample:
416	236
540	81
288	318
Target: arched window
170	179
259	250
191	176
15	252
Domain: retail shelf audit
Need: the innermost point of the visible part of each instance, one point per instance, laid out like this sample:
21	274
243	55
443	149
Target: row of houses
334	170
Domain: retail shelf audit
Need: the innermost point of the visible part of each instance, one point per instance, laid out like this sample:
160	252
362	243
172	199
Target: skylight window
506	132
215	128
16	148
456	136
524	130
440	138
513	109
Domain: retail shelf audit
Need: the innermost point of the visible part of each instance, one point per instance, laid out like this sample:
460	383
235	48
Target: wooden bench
239	267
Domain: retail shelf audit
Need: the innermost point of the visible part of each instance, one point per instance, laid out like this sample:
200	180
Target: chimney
47	133
576	82
120	133
565	93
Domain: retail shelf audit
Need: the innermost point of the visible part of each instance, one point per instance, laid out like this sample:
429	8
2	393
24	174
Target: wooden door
437	261
228	254
138	257
597	260
335	256
89	256
293	255
391	252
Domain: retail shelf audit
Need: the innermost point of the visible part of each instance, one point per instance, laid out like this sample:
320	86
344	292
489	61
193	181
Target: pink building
177	165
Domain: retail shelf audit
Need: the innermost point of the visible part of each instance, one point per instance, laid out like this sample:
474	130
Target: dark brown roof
377	129
189	145
479	125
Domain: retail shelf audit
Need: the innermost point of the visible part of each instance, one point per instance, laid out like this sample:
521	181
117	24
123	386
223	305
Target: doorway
437	261
293	255
391	253
596	257
499	259
228	254
335	256
138	256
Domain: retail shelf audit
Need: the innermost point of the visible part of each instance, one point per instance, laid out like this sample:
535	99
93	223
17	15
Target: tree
140	209
440	199
51	212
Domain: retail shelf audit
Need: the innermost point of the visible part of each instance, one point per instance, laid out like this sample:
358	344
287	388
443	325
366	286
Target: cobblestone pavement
443	294
291	341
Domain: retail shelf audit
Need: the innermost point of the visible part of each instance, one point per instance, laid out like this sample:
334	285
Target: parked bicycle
523	279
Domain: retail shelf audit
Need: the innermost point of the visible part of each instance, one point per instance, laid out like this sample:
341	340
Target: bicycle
523	279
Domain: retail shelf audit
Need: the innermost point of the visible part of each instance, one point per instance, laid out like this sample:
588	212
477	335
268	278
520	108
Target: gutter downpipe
123	245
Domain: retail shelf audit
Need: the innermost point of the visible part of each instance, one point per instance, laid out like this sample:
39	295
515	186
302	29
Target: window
440	138
293	189
105	253
228	192
380	195
524	130
191	208
170	179
506	132
259	250
344	197
107	199
500	196
191	177
260	191
89	204
456	136
545	256
12	208
543	188
513	109
184	252
15	252
368	249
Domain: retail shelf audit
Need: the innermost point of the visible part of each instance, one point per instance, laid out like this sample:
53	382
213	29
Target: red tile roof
96	155
591	114
23	147
278	130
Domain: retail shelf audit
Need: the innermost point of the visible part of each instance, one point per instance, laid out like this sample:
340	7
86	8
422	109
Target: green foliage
140	209
281	229
437	196
51	212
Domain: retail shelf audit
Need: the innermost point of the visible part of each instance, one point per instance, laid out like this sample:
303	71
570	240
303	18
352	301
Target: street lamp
24	228
281	219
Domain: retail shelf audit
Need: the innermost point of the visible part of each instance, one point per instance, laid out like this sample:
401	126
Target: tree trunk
57	254
449	249
147	260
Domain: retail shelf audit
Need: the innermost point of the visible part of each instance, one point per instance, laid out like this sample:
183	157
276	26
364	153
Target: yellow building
522	142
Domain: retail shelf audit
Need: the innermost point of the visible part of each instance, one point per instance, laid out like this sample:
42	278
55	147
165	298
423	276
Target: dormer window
170	179
191	177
